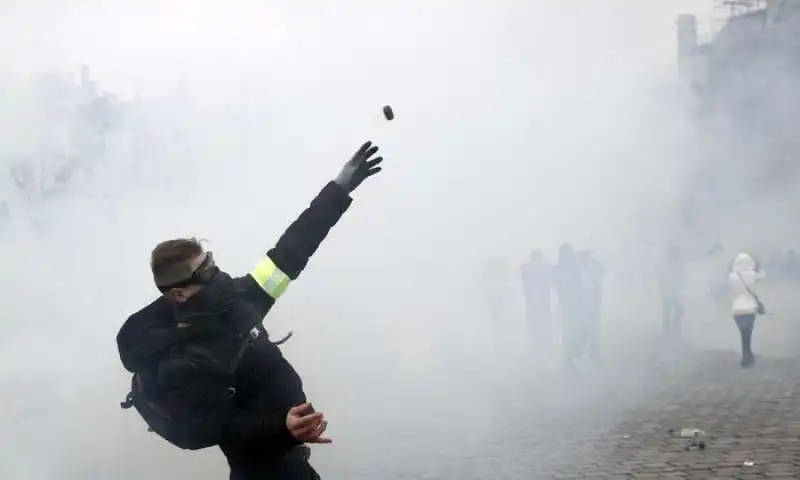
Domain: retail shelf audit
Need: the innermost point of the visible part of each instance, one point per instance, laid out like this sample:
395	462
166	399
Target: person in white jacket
745	273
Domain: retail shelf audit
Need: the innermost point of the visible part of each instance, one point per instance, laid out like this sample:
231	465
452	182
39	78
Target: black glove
358	168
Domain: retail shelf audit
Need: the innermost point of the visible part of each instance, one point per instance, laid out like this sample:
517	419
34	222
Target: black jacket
250	426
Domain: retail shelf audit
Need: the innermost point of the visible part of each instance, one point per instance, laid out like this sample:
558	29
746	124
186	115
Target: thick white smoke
519	126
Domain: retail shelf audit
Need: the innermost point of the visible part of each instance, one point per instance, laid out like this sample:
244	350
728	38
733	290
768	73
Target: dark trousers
672	314
745	324
592	331
540	327
581	330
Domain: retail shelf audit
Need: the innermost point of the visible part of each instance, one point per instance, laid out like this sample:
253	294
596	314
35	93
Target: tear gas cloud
519	125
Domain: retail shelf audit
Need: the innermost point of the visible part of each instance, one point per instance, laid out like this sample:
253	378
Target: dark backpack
151	401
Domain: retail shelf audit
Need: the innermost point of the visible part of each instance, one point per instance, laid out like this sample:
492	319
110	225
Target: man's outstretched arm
290	255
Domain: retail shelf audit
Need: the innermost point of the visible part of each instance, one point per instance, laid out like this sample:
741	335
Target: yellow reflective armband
270	278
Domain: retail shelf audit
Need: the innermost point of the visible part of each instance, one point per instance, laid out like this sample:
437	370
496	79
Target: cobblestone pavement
616	421
749	417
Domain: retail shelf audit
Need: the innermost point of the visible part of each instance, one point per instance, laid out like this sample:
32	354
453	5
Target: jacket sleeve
290	255
206	413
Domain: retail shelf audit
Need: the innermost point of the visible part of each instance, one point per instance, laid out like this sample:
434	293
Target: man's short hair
171	260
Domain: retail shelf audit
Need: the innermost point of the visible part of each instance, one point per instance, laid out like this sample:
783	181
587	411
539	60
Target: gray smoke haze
519	125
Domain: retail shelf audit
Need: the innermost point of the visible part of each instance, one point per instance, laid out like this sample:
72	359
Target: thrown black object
388	112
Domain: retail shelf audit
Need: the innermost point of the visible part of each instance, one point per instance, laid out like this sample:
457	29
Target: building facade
743	78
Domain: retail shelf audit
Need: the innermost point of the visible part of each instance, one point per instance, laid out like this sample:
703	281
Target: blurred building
750	30
743	73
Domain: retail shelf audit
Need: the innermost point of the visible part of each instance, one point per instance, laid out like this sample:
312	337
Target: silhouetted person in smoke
567	281
537	279
718	285
776	262
671	281
745	273
592	272
791	266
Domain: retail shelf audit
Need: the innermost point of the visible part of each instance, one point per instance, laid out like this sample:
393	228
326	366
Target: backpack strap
284	339
744	284
249	339
128	402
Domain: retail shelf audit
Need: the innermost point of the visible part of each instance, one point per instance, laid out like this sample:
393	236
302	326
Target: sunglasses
202	275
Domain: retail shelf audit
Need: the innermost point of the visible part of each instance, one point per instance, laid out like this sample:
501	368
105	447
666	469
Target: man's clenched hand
306	425
359	168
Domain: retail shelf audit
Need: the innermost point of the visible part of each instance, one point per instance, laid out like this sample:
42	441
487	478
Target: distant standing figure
671	280
717	283
537	278
791	266
592	273
568	287
746	305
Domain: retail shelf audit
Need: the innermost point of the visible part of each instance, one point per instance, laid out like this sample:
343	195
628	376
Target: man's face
182	294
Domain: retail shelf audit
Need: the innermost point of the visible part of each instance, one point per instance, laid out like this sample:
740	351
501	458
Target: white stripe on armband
270	278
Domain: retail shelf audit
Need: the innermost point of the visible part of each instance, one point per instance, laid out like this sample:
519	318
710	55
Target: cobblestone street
581	428
749	418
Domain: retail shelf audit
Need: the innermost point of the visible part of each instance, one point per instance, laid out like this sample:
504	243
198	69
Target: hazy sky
149	44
